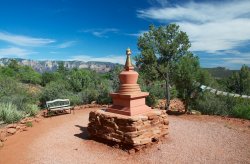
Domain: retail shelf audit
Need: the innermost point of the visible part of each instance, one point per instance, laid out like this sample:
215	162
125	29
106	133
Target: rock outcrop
50	66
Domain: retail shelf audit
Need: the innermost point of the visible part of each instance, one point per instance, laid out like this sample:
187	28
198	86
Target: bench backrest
57	103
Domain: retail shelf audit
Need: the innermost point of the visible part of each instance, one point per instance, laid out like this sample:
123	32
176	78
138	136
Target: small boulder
93	102
11	130
23	121
11	126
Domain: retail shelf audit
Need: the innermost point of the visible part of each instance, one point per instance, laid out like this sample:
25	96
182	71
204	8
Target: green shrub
31	109
173	92
89	95
75	99
29	124
211	104
55	90
241	110
9	113
14	92
151	100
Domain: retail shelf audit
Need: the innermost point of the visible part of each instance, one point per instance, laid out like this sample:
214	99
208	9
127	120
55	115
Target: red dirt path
192	139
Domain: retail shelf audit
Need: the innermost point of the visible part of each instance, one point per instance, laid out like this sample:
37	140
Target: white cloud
66	44
211	27
24	40
111	58
101	32
241	61
140	33
14	52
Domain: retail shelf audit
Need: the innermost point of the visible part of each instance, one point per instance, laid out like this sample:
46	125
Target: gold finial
128	51
128	64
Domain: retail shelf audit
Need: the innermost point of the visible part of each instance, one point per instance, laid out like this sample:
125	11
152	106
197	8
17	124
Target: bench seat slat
63	108
58	106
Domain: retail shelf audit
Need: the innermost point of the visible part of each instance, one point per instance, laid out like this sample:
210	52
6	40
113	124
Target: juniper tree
160	48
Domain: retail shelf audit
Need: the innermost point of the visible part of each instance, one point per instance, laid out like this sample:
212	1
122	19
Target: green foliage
113	76
208	103
31	109
29	124
220	72
242	110
28	75
11	91
81	79
160	49
24	74
9	113
55	90
151	100
80	86
186	73
174	92
50	76
239	82
211	104
62	69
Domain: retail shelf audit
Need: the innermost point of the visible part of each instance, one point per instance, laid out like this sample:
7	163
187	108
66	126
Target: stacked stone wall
129	130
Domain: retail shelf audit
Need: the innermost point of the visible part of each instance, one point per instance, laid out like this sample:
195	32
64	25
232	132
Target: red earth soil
192	139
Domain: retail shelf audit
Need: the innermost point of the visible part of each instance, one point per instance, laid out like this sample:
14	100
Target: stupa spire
128	64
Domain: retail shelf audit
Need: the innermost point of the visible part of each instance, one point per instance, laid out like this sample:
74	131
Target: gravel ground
192	139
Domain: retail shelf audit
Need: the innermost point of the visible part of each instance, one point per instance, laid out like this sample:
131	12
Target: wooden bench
58	105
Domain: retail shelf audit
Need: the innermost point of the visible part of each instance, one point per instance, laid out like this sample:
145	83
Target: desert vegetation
166	67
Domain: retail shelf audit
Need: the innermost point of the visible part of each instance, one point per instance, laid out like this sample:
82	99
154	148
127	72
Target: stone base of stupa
130	131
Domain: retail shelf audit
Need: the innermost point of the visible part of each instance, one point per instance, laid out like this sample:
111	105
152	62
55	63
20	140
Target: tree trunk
167	91
186	105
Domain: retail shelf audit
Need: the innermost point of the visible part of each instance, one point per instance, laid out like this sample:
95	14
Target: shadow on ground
176	113
84	133
85	136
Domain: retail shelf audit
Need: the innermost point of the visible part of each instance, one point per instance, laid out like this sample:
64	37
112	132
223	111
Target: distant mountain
220	72
50	66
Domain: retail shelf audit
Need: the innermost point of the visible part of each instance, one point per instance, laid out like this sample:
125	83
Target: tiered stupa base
129	104
129	131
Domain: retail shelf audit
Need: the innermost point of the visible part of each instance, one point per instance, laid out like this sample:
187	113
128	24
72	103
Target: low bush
9	113
31	109
11	91
55	90
241	110
151	100
211	104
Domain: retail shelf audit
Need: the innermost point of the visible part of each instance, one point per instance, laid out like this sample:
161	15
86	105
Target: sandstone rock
23	121
134	131
37	119
93	102
166	122
11	126
152	117
3	136
127	128
1	144
157	112
11	130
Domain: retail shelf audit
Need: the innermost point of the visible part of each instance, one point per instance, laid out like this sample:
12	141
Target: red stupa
129	100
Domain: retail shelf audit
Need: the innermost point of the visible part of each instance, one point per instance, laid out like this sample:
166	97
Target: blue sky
101	30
